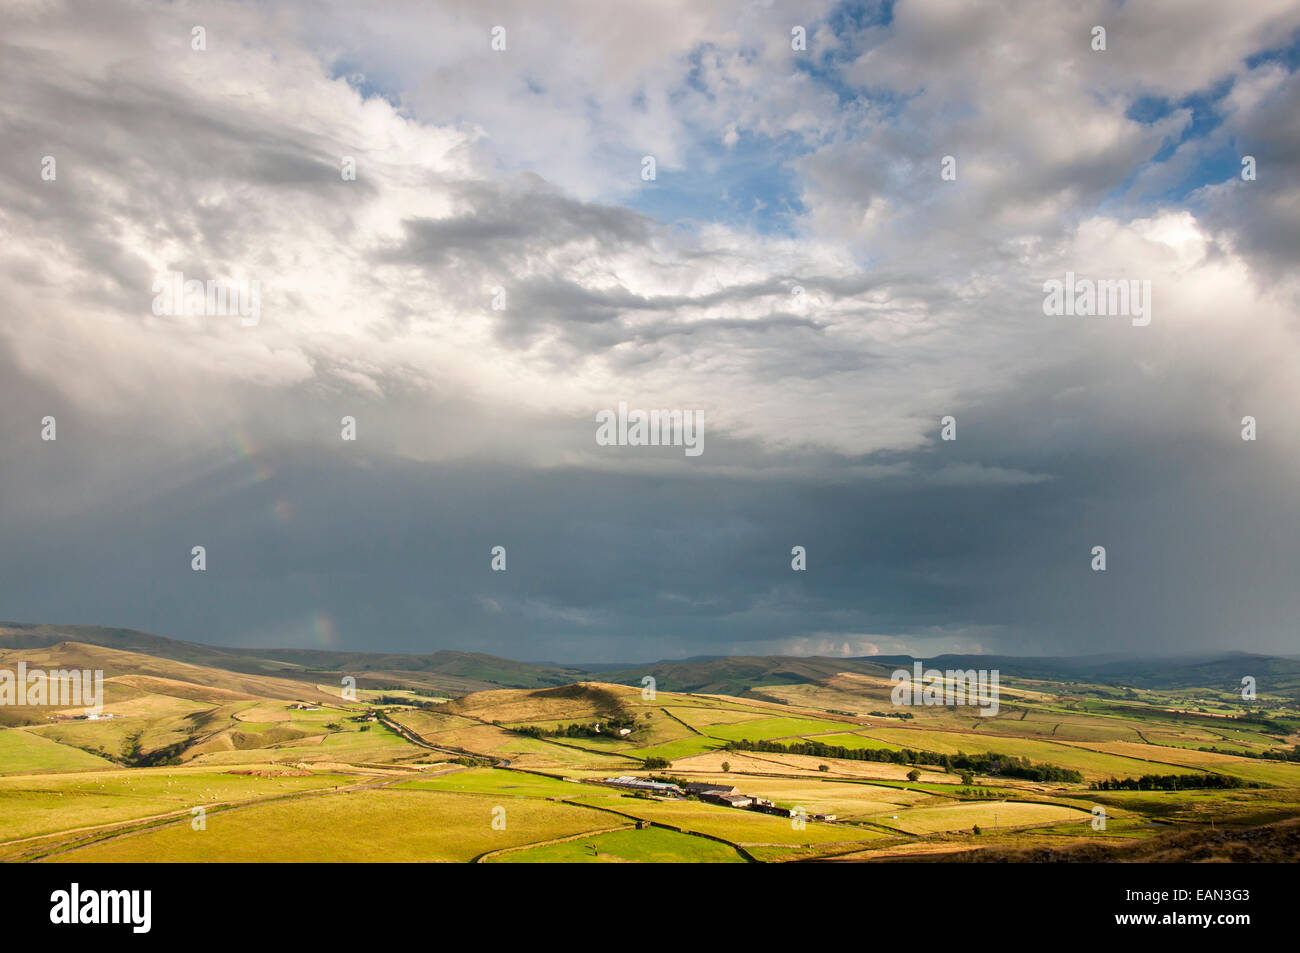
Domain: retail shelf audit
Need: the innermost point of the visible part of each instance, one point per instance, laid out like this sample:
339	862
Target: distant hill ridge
462	672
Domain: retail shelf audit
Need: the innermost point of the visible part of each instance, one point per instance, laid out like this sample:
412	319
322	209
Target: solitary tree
914	775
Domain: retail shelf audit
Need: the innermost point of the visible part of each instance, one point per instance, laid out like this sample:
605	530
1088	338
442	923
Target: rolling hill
456	672
415	766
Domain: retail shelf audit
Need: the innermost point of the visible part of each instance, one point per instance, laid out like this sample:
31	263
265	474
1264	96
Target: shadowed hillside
449	672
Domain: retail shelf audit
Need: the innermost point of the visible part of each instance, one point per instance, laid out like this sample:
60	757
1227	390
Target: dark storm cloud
619	566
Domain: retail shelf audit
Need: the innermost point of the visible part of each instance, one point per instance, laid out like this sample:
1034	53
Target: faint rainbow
250	451
324	631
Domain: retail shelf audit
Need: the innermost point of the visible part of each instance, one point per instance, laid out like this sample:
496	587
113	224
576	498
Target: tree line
601	729
990	763
1172	782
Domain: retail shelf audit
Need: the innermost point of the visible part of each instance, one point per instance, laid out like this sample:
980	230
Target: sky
845	234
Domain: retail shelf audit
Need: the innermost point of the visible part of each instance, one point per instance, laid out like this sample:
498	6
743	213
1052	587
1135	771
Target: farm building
646	786
709	787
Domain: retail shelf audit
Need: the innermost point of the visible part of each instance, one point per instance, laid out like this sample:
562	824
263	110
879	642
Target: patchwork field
36	805
848	801
731	825
763	729
285	770
652	845
1092	764
24	752
366	826
496	782
993	815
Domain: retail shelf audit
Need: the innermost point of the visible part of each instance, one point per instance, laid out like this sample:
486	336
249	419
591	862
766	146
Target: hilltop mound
580	701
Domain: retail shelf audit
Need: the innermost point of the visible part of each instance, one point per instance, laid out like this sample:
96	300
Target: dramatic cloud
798	269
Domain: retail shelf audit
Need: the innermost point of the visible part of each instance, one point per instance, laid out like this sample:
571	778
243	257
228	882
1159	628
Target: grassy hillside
446	671
282	767
457	672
